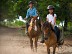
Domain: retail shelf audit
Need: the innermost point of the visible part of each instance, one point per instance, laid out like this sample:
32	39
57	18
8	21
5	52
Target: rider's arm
27	15
55	16
47	18
35	13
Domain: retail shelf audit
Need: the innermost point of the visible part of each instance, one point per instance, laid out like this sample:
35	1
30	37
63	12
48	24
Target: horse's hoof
61	42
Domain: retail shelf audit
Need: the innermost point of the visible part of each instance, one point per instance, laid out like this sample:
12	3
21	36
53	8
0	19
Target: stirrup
61	42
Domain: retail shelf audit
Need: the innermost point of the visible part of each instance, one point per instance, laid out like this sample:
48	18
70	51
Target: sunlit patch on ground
12	42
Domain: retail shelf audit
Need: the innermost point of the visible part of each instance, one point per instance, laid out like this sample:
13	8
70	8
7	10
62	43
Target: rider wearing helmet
50	7
31	13
51	17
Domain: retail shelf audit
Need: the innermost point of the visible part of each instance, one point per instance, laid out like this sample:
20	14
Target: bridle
48	34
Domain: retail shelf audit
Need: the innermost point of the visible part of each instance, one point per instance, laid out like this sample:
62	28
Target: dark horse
50	37
33	33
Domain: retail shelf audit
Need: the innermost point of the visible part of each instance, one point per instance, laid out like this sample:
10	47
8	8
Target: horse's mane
47	24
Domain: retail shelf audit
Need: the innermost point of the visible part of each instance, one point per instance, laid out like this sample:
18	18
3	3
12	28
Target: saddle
57	32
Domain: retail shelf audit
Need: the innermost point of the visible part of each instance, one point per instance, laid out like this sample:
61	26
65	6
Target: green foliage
58	22
70	26
17	23
10	9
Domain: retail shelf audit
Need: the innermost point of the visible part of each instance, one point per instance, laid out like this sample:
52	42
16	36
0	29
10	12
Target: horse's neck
53	34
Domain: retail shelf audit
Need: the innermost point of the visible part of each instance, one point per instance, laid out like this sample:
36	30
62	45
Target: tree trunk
65	24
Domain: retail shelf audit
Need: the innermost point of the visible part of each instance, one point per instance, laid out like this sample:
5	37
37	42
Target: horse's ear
49	22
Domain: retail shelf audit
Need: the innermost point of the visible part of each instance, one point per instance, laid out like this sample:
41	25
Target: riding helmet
30	2
50	7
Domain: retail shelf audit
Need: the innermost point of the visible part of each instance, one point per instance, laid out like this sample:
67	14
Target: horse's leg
31	43
48	50
36	39
54	49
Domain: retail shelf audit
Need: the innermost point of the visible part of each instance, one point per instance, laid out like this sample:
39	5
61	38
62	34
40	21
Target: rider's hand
35	17
25	18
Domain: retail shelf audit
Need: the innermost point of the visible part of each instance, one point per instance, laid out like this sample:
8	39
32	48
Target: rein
48	35
49	31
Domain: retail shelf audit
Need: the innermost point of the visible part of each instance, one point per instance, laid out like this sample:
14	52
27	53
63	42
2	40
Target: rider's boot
26	28
57	32
42	38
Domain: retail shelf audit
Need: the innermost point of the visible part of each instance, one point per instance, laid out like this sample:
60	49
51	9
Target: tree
12	8
6	9
65	11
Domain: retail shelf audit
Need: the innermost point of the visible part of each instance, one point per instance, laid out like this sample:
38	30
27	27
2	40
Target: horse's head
32	22
46	29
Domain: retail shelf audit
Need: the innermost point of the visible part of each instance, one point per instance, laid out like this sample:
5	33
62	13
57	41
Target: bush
14	23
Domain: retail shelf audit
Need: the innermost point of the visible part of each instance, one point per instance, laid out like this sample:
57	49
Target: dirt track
13	42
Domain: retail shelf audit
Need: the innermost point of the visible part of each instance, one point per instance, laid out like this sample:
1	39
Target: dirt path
13	42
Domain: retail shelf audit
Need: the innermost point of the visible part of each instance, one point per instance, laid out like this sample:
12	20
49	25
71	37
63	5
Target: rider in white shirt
51	17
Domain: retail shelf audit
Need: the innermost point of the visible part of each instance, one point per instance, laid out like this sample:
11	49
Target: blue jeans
57	32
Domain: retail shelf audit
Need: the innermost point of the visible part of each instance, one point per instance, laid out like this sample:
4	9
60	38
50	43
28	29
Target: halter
49	31
48	35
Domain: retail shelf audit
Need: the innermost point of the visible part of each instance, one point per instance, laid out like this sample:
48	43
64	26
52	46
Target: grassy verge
16	24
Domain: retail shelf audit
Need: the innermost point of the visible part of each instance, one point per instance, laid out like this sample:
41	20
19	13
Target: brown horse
33	33
49	37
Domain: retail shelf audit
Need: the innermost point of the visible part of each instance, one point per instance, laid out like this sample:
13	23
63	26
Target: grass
13	24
